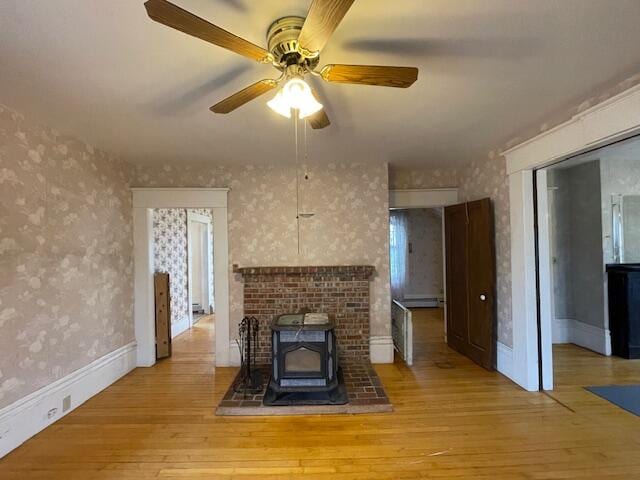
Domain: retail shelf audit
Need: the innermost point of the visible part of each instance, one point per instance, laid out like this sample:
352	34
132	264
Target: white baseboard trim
560	330
568	330
31	414
179	327
504	360
381	349
234	354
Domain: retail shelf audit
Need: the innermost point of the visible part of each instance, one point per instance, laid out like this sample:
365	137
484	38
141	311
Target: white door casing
144	201
612	120
428	198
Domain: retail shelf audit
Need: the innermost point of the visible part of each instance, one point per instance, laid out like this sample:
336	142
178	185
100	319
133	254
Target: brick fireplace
340	291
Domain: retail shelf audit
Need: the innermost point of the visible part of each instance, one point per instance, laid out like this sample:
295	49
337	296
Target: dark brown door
456	265
470	266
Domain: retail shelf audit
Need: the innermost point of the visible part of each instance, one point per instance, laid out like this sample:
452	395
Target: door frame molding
144	201
422	198
428	198
612	120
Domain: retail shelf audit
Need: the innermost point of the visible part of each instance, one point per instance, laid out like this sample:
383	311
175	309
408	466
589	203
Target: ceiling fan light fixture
295	95
279	105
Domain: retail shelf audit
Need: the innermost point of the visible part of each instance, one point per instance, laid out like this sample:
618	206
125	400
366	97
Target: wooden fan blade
173	16
318	120
401	77
323	18
236	100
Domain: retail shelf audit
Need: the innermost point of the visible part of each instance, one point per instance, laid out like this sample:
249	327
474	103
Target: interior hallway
452	419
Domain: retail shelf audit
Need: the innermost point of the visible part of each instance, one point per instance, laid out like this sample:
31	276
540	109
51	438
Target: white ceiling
102	70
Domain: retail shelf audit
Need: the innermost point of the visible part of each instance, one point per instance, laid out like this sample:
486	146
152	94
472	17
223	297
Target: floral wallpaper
66	289
488	178
350	224
66	244
170	255
425	272
407	178
482	178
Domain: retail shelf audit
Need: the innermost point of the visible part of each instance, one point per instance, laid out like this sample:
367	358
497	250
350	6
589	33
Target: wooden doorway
470	280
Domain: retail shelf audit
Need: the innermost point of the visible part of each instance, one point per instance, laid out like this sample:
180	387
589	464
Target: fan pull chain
306	153
295	132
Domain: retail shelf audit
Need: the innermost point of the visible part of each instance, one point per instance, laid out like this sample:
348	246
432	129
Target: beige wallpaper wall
482	178
65	255
170	256
405	178
350	226
488	178
424	233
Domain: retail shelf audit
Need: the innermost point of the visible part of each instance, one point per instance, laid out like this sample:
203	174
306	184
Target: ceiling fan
294	45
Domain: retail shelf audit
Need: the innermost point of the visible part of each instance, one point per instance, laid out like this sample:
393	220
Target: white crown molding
31	414
606	122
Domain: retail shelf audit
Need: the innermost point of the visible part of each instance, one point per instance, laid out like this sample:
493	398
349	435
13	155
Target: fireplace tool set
250	380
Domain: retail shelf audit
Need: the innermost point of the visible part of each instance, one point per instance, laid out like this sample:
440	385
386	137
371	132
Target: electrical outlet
66	403
52	413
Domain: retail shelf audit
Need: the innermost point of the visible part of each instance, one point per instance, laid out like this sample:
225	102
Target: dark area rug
364	391
626	397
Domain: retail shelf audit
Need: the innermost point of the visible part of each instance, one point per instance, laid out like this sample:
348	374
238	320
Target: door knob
483	297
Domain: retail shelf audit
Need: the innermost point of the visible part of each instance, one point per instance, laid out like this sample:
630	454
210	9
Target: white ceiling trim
611	120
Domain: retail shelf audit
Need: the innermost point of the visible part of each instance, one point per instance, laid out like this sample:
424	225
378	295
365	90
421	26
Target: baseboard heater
417	301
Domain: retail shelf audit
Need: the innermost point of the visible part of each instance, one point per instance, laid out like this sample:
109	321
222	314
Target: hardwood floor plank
459	422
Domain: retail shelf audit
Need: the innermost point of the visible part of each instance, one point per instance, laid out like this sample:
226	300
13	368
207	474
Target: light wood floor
453	420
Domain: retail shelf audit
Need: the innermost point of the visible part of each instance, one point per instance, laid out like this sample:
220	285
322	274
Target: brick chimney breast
341	291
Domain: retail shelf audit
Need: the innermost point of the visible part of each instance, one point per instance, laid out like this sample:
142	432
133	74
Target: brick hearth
340	291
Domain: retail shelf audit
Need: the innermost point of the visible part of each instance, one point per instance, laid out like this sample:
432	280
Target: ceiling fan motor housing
282	40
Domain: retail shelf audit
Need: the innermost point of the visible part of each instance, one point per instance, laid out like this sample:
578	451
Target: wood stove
304	363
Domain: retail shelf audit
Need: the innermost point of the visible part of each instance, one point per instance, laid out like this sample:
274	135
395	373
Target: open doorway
417	280
426	299
589	227
146	245
182	246
200	263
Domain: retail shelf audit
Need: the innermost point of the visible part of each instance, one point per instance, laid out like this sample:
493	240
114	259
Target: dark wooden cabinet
624	309
471	278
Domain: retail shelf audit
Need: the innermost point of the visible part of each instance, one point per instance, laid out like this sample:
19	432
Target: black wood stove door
303	360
